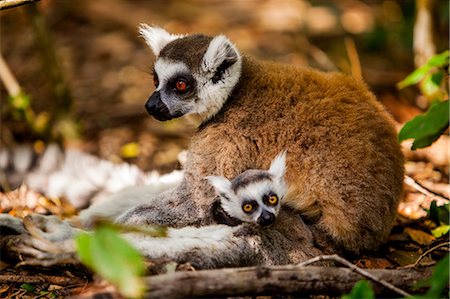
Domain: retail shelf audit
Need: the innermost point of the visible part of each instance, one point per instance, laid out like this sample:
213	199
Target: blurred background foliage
84	74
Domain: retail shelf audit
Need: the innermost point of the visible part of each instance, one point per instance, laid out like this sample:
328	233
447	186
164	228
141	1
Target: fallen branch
344	262
276	280
425	191
5	4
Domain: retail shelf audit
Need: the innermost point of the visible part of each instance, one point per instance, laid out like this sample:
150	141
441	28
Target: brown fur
197	45
344	165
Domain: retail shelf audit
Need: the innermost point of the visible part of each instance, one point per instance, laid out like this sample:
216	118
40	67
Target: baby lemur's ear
156	37
278	165
221	53
221	184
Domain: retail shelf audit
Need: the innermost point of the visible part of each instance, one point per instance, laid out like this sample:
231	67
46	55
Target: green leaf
113	258
431	85
439	214
438	280
440	230
439	60
28	287
361	290
433	213
427	127
426	141
444	213
414	77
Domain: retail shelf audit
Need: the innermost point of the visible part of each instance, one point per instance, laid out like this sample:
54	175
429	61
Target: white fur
156	37
213	96
129	197
217	52
278	165
220	183
255	191
208	238
166	69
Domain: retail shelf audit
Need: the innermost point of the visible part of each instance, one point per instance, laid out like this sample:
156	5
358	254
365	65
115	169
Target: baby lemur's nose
266	218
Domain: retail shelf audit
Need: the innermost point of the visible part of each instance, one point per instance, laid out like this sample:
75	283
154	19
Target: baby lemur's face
192	74
254	195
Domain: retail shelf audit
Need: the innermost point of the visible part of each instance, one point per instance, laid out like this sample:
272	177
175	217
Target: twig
424	255
364	273
5	4
411	182
8	78
314	52
353	57
321	58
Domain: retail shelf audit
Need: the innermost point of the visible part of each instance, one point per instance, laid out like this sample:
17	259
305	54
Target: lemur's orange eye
247	207
181	85
273	200
155	81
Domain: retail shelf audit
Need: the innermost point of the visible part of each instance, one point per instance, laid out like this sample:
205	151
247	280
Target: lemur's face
254	195
192	74
257	200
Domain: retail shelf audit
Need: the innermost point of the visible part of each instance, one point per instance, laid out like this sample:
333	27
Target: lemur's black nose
156	108
266	218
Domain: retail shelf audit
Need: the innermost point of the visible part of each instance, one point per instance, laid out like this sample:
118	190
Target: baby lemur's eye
155	80
273	200
249	207
181	85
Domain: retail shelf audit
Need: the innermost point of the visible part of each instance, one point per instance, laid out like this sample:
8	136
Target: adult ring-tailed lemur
344	167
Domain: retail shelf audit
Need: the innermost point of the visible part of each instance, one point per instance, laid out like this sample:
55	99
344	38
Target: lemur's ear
278	165
156	37
221	52
220	183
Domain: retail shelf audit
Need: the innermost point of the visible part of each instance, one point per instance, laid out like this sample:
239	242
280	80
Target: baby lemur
253	196
344	167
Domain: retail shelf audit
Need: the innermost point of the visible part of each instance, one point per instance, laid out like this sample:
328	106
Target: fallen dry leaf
404	258
374	263
419	236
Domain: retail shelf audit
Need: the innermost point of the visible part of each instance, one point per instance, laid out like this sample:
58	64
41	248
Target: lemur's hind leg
287	241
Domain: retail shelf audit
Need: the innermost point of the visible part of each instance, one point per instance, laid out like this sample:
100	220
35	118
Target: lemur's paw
36	240
10	225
